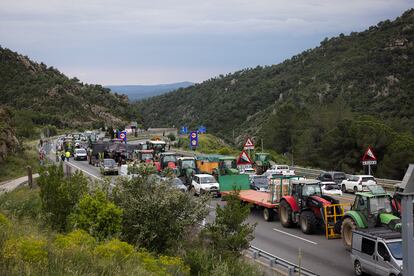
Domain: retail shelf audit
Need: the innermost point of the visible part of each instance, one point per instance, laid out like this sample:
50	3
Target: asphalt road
320	255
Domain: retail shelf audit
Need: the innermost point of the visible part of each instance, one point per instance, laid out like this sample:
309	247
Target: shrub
97	215
156	216
171	137
60	195
22	202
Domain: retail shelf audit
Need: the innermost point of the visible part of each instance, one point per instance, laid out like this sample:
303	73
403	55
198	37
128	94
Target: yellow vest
67	154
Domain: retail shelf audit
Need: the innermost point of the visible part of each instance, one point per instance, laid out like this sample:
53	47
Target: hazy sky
161	41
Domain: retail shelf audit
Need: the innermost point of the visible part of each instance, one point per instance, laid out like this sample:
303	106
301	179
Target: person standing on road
62	155
67	156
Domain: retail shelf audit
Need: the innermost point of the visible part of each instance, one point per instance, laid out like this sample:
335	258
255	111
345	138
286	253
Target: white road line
300	238
88	173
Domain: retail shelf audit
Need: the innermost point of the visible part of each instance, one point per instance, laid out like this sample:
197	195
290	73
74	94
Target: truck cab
376	251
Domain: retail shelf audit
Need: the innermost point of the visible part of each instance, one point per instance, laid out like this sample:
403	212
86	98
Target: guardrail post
291	271
255	254
30	176
272	262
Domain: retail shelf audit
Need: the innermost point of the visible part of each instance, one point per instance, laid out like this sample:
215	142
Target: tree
156	216
97	215
229	234
59	195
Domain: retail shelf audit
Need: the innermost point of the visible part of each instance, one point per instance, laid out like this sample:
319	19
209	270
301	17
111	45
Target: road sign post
369	159
407	197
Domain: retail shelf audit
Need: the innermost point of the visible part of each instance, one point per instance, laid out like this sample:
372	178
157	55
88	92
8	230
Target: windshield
229	164
170	158
396	249
312	189
177	182
365	179
81	151
109	162
146	156
339	176
187	164
206	180
380	203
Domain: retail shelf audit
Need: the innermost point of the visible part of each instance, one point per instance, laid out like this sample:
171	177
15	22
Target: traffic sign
193	139
369	162
244	159
369	155
123	136
248	145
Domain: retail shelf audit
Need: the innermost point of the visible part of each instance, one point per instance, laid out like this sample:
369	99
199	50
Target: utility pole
262	145
407	197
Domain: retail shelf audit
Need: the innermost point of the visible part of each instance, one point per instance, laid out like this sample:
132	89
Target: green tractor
226	166
262	162
186	169
370	209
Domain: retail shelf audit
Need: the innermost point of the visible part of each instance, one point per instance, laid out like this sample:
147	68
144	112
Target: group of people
64	155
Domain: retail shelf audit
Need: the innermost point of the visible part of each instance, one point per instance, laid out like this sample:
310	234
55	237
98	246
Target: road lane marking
294	236
83	170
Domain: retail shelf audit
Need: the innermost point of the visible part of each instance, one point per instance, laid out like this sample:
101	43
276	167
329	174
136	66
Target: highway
320	255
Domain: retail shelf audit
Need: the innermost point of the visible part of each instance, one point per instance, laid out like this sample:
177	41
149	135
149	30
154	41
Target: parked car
358	183
331	188
204	183
178	184
249	171
279	170
377	251
108	166
337	177
80	154
259	183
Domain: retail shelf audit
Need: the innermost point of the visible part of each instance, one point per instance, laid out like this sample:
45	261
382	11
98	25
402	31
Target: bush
156	216
171	137
60	195
98	216
22	202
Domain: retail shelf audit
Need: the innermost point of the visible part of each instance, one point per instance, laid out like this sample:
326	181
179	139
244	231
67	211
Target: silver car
377	251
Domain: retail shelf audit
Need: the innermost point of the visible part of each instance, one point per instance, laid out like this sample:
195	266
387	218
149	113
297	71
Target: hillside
361	84
42	95
138	92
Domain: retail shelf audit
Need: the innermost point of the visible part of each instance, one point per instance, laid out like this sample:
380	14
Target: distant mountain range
138	92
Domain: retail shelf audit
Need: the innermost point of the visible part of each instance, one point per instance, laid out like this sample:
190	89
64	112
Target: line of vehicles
275	189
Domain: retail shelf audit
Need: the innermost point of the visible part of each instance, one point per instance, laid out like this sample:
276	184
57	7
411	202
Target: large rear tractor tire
348	225
285	214
308	222
268	214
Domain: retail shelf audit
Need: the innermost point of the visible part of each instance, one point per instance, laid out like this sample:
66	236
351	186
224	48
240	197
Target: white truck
279	170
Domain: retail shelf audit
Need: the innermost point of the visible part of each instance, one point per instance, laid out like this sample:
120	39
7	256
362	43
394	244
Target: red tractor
307	206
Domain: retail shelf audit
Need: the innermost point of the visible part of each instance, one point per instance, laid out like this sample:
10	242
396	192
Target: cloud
187	34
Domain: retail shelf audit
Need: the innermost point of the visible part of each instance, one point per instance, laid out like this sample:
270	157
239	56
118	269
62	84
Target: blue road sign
123	136
202	129
193	139
184	130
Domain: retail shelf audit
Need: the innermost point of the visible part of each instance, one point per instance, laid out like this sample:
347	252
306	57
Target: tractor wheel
308	222
268	214
285	214
346	230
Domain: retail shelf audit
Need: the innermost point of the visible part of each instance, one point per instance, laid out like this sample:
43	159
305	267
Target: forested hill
325	105
41	95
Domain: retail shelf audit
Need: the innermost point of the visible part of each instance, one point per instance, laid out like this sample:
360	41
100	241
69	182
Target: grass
209	144
16	164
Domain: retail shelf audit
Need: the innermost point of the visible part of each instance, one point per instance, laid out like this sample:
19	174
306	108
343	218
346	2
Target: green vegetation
208	143
311	97
143	228
39	96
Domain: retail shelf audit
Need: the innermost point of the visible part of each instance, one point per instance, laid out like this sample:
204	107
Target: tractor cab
145	156
168	160
227	166
262	162
186	168
157	146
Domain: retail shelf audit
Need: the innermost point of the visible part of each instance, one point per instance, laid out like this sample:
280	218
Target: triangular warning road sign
369	155
244	159
249	144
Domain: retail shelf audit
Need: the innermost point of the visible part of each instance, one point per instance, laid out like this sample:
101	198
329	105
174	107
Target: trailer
267	201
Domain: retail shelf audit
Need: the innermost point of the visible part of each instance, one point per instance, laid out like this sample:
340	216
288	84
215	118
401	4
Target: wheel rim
283	214
266	214
358	270
347	234
303	224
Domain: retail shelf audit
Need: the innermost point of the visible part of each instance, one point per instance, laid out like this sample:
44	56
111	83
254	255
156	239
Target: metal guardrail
388	184
292	269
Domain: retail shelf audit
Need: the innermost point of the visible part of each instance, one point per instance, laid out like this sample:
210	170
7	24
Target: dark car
109	166
336	177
